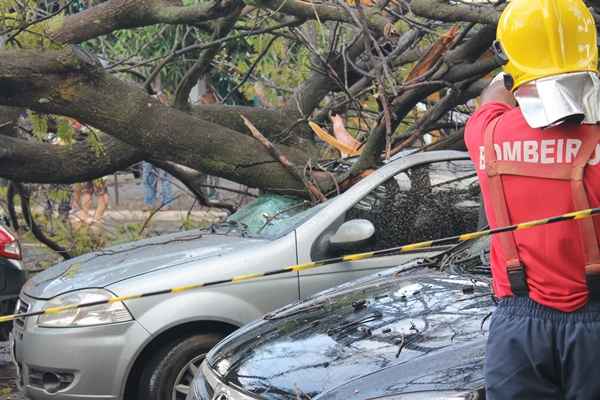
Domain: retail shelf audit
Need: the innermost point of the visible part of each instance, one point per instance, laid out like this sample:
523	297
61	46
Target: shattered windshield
271	216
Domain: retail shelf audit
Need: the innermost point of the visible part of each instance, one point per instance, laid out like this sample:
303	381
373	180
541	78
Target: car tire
173	364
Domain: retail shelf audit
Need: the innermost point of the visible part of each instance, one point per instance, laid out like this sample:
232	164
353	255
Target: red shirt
552	254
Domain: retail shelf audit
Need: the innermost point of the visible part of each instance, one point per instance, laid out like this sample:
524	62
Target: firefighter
534	141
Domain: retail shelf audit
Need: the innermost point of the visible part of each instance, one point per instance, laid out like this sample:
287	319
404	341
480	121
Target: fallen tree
372	62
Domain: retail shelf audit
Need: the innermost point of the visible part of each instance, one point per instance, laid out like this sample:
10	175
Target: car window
272	216
425	202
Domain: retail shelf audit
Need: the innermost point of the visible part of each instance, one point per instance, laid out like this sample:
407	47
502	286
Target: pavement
8	388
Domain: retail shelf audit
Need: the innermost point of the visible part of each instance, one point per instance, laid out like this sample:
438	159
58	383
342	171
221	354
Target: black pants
535	352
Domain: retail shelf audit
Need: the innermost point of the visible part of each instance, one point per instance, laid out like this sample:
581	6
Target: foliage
32	30
39	125
283	68
126	48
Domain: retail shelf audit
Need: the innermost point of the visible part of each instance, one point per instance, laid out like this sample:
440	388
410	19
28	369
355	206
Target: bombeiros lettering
545	151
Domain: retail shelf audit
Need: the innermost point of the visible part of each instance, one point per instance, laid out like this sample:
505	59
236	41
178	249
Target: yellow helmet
541	38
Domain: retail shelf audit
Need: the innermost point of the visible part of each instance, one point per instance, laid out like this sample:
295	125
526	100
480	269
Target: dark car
416	331
12	276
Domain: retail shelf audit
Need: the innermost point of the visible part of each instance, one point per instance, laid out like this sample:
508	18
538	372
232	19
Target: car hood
114	264
453	370
394	321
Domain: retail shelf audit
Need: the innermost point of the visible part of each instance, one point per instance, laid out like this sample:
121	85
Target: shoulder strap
514	267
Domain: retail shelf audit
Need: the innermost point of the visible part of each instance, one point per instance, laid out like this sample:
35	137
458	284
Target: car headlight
434	395
95	315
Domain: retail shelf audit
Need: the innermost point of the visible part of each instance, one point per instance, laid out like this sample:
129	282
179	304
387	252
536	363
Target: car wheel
169	373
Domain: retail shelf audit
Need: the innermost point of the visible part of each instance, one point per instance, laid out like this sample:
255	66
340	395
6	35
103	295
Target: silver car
150	348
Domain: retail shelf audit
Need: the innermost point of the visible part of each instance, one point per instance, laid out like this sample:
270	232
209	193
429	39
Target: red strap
547	171
507	239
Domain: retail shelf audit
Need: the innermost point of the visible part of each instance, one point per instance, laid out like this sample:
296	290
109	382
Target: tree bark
441	10
8	120
320	12
279	126
31	162
113	15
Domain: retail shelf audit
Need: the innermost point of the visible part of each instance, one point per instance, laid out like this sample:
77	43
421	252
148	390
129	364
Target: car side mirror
352	234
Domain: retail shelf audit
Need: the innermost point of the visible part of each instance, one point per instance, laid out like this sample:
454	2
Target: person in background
83	197
84	192
157	185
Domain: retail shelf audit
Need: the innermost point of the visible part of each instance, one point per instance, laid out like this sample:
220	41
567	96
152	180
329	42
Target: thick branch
31	162
441	10
8	120
279	126
113	15
321	12
59	82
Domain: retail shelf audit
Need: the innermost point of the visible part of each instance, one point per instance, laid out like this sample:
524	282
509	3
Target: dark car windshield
272	216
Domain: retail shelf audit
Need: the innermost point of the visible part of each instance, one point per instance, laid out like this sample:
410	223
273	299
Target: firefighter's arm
497	92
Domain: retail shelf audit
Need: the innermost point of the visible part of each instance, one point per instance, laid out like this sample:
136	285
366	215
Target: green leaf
96	144
65	131
39	124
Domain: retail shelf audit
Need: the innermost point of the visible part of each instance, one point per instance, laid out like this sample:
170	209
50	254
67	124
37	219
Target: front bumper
207	386
74	363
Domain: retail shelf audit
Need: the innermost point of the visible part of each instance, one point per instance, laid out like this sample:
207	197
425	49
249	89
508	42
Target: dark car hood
408	315
454	369
111	265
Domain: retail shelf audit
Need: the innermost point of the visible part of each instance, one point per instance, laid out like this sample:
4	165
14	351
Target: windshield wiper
231	224
348	326
295	311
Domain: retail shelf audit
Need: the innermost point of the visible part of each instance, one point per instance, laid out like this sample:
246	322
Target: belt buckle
518	280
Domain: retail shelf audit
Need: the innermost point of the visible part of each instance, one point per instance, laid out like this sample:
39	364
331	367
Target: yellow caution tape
316	264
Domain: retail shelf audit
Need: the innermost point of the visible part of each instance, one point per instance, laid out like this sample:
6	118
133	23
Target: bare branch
194	181
33	226
203	46
472	49
283	160
203	65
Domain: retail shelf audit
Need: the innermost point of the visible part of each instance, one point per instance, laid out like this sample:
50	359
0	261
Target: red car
12	276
